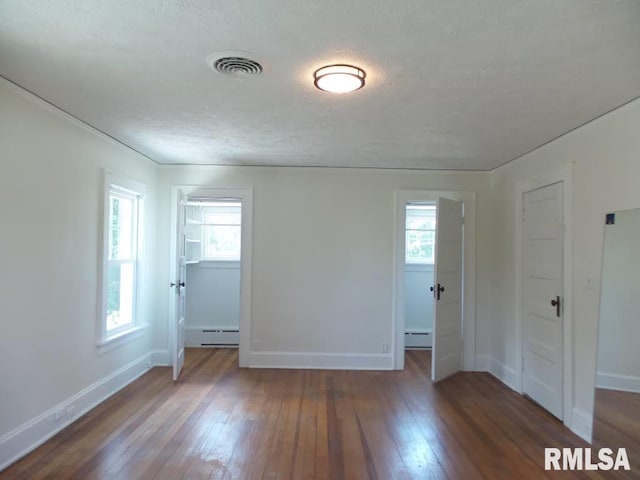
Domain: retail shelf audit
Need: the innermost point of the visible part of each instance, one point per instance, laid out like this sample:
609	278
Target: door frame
402	198
564	175
246	197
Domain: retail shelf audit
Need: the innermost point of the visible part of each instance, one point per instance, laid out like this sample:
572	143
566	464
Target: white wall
605	157
323	256
619	329
213	295
418	306
50	194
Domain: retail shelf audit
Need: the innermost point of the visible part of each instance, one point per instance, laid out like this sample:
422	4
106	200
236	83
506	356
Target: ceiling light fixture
339	78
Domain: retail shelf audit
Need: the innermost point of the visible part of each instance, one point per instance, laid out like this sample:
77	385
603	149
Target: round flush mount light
339	78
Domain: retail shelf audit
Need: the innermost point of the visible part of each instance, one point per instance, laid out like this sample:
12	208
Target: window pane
421	217
114	230
120	290
121	227
420	233
420	246
421	223
221	242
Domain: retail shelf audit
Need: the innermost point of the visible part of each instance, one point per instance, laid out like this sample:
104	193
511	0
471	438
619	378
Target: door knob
438	291
556	303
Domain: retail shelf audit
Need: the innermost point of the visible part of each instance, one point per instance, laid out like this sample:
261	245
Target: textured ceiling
451	84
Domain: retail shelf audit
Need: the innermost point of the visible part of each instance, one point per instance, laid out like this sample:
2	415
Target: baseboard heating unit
417	339
212	337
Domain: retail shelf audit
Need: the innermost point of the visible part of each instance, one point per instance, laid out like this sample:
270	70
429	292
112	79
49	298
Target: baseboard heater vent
212	337
417	339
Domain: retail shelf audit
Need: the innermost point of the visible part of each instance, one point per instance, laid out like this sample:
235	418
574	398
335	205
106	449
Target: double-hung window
221	231
123	220
420	233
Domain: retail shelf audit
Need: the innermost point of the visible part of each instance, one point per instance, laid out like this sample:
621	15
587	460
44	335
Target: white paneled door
447	290
542	296
180	287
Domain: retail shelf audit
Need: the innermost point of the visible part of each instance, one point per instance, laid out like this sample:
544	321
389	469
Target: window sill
120	338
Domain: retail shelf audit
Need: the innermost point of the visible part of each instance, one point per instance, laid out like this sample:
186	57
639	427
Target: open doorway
211	258
434	289
420	242
420	285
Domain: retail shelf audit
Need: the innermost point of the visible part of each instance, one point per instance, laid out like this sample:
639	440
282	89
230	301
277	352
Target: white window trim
106	341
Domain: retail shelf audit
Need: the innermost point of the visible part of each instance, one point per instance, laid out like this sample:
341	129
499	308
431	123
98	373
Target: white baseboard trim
581	424
23	439
161	358
506	375
331	361
612	381
482	363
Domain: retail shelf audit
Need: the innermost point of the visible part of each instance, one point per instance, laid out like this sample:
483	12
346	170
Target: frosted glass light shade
339	78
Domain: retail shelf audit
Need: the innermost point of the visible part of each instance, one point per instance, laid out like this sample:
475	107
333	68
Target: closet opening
420	241
434	281
213	256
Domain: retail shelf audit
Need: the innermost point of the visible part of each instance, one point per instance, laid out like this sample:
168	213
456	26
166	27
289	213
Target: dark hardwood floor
223	422
616	424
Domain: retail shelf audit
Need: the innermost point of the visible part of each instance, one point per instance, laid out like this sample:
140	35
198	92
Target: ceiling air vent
237	66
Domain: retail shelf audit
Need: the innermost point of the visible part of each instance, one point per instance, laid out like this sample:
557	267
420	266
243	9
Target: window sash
221	232
228	245
129	300
420	220
130	242
121	281
417	257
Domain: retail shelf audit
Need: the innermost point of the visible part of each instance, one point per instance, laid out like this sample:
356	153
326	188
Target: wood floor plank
616	424
222	422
